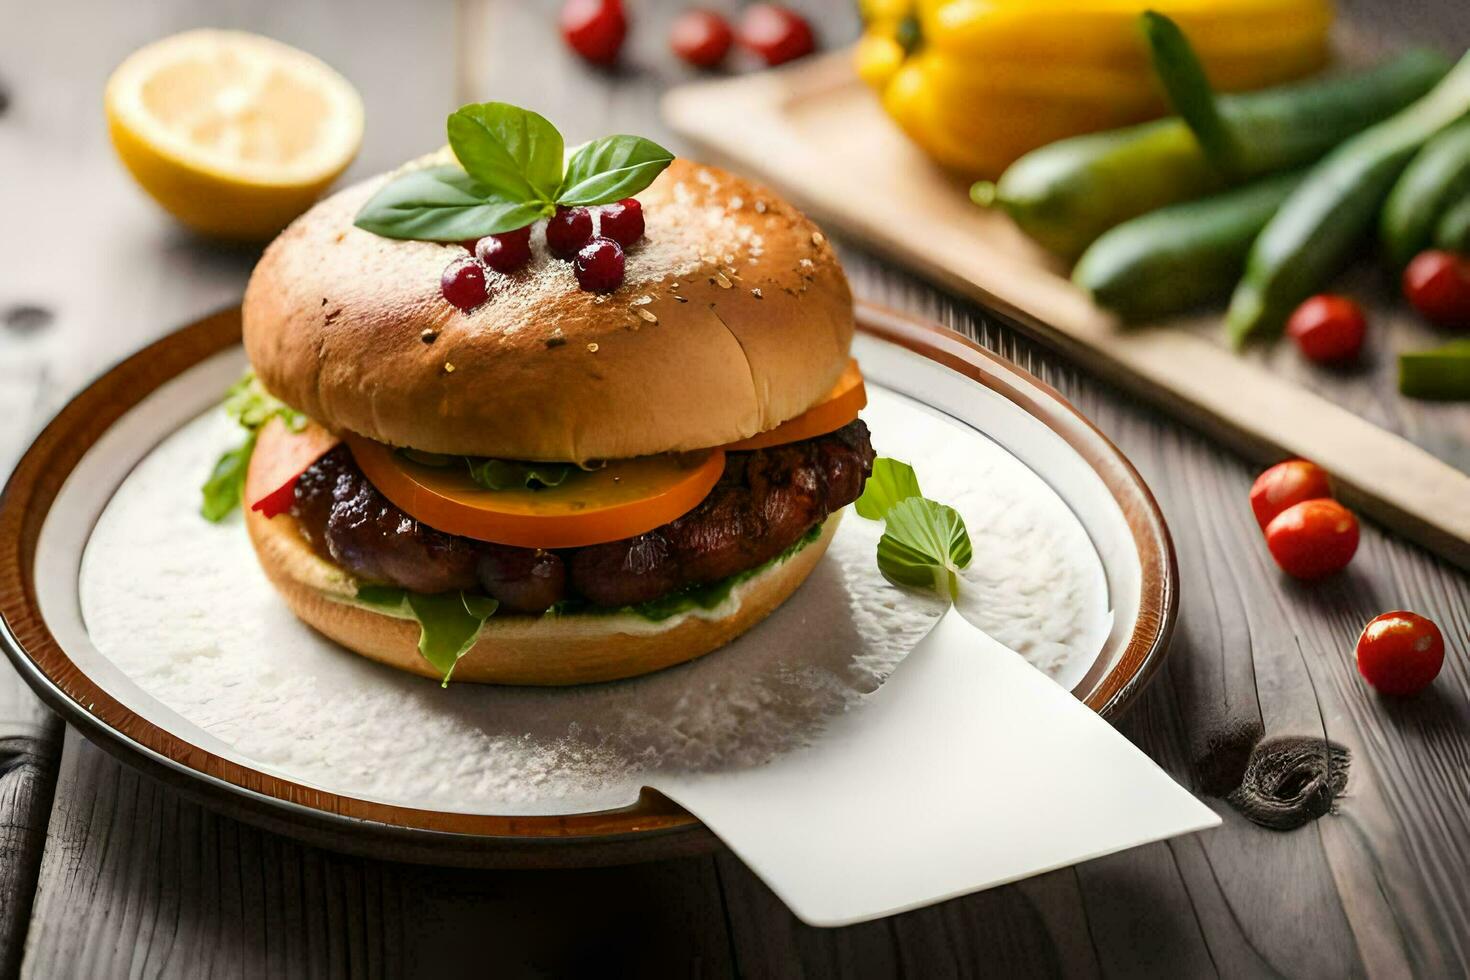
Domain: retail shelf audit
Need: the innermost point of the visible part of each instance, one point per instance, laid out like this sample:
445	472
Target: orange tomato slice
841	406
279	459
623	499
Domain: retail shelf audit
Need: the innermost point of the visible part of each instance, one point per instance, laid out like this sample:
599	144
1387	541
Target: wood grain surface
136	881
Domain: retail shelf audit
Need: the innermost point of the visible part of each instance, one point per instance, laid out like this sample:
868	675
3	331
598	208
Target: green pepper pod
1318	227
1181	256
1442	374
1453	231
1436	179
1066	194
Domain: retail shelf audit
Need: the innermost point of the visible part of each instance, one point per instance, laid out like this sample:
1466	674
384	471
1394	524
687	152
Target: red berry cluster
596	29
597	258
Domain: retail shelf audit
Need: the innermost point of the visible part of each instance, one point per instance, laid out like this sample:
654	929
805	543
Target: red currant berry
568	230
623	221
594	28
599	266
701	37
463	283
776	34
505	252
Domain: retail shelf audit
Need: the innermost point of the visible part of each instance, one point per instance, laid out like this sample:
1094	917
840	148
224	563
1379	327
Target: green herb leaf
610	169
226	484
444	204
514	152
892	481
449	623
252	406
924	545
504	474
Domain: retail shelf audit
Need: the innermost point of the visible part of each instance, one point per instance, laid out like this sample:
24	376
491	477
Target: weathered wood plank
138	881
30	736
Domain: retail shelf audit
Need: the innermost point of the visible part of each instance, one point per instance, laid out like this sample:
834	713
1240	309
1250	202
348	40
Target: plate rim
653	826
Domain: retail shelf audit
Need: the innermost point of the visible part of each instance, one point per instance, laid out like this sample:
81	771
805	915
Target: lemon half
232	133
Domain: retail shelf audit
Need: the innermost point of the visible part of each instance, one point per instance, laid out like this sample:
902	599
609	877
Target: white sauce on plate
181	608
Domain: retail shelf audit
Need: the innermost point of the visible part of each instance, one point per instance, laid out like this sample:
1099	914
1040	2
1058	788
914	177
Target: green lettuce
252	407
449	623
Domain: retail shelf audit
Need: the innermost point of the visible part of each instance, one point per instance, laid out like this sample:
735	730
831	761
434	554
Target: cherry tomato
1285	484
1438	284
701	37
1328	329
1400	653
595	28
1313	538
774	33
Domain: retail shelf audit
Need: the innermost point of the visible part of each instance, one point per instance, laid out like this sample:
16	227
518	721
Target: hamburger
501	458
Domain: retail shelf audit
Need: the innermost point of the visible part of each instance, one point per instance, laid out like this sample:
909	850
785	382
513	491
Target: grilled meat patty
764	502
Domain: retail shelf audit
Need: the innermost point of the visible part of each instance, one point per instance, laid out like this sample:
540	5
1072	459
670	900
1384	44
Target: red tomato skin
1437	283
776	34
1400	653
701	37
1313	539
1285	484
594	29
1328	329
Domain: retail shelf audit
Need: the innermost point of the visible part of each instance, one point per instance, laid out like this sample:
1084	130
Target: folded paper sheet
969	768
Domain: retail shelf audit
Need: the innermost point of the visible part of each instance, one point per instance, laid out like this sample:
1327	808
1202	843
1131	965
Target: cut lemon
232	133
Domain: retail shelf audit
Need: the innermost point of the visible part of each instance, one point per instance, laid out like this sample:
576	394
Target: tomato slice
847	398
280	457
620	500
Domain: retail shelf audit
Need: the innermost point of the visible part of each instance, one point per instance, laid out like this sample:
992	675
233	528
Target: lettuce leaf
449	623
252	406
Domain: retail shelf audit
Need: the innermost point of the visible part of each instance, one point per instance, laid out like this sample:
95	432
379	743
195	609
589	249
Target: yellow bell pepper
977	83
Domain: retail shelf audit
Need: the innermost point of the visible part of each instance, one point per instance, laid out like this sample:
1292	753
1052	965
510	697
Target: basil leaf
444	204
924	545
226	484
514	152
503	474
891	482
610	169
449	623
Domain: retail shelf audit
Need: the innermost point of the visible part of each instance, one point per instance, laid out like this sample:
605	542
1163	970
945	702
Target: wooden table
105	873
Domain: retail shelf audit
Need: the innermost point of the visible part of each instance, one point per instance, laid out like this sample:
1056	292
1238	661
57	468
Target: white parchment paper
182	609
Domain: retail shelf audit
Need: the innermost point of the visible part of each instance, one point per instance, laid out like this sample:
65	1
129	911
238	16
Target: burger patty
764	502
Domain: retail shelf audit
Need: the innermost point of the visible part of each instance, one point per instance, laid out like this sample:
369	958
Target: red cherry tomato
701	37
1313	538
1285	484
595	28
1328	329
1400	653
776	34
1438	284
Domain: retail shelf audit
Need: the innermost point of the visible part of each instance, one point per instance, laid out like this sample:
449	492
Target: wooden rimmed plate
39	621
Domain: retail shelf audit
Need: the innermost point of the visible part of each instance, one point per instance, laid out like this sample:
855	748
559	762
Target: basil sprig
924	543
252	406
512	170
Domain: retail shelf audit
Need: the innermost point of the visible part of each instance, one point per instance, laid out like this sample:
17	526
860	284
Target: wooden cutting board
816	133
